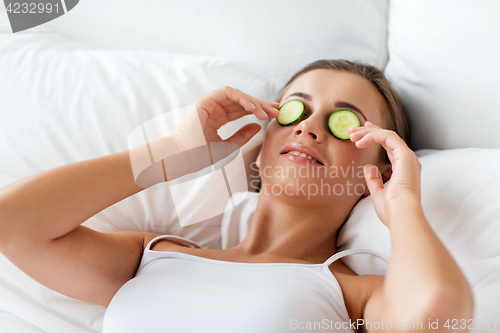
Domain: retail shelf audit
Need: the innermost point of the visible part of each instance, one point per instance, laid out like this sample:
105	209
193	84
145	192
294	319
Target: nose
309	127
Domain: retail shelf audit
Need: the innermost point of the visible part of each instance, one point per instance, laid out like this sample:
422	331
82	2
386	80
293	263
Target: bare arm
40	229
423	282
52	203
40	215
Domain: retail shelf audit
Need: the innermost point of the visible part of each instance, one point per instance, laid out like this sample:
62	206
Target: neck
294	227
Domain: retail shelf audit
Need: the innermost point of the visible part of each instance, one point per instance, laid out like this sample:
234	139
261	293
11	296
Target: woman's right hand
195	144
210	112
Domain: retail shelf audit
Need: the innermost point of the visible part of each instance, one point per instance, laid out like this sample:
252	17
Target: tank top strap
178	239
344	253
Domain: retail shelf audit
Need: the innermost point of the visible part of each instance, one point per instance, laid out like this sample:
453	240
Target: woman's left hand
404	186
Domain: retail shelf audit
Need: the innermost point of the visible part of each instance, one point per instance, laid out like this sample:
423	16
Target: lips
303	149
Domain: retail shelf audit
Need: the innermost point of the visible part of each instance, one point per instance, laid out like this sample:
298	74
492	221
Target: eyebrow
339	104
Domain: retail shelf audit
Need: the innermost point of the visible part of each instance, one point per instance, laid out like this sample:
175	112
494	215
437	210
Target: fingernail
276	109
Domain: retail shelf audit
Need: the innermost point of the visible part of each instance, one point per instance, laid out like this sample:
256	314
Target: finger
271	111
261	109
227	95
369	124
357	133
267	107
259	112
388	139
369	135
359	128
233	106
373	179
244	134
275	105
237	114
248	102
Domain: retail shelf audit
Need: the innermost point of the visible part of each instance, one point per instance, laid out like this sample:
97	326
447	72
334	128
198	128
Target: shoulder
356	289
147	237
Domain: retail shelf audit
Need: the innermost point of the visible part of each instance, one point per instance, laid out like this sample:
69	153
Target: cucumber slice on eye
290	112
340	121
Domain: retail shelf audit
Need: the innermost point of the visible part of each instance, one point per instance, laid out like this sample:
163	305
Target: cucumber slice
290	112
340	121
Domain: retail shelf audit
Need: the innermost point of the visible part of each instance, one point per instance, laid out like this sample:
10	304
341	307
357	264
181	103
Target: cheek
274	137
363	156
350	161
273	127
270	147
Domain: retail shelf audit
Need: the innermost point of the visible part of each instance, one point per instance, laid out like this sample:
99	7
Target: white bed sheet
12	323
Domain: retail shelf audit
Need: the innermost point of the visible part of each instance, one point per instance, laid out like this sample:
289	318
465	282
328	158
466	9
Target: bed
76	88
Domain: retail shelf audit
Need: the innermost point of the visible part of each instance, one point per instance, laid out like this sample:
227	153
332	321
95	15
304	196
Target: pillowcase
63	101
460	199
281	36
444	64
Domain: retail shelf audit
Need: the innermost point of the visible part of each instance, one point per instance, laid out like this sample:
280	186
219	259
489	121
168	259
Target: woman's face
339	170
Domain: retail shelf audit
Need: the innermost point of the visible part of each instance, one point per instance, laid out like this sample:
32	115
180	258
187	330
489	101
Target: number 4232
456	324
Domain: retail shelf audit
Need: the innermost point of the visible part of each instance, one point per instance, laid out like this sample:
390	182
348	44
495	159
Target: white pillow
281	36
63	101
444	62
460	198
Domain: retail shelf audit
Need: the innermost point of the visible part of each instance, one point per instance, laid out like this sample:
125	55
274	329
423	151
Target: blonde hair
396	117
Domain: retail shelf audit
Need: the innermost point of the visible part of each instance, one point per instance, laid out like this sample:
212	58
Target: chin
312	189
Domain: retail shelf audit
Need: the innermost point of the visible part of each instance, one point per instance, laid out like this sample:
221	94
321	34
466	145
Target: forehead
328	86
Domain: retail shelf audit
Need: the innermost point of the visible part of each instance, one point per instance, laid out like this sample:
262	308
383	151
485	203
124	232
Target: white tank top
178	292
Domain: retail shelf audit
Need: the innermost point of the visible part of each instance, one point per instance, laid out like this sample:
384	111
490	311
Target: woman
284	276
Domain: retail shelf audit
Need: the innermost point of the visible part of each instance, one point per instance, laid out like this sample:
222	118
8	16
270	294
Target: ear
386	172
